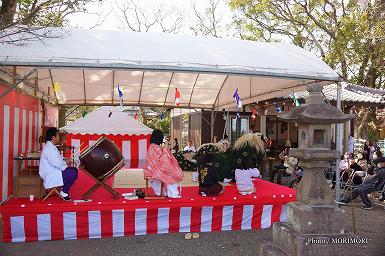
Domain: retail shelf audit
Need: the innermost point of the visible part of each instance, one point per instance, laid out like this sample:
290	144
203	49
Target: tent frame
307	79
13	86
115	67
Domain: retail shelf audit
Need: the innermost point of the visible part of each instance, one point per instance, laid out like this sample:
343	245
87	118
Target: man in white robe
53	169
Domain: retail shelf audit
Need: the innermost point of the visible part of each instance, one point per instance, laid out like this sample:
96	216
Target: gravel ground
369	223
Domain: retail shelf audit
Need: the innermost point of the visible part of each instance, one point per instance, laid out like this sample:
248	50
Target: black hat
380	160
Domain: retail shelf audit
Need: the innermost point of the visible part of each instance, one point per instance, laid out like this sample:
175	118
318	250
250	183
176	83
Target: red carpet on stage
55	219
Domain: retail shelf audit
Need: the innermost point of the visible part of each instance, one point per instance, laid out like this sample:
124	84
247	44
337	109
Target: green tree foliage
26	20
163	125
348	36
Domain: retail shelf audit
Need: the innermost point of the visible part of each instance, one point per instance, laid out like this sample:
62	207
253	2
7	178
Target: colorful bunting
57	91
56	87
238	102
120	96
237	98
177	97
297	102
277	108
254	114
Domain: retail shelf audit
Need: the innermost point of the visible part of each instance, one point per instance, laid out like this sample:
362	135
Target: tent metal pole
14	77
219	92
338	144
224	128
17	83
84	87
168	88
141	88
212	125
113	87
192	91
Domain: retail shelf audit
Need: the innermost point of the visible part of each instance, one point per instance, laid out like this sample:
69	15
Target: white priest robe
51	166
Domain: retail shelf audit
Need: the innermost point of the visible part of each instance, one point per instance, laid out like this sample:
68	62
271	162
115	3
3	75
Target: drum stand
101	183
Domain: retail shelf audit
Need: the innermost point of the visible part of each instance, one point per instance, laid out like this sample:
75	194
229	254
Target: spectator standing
176	145
368	150
351	145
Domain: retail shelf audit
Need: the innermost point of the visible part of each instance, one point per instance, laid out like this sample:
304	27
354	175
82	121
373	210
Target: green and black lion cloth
252	145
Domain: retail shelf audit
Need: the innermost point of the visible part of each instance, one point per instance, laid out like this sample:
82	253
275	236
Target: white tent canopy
88	66
107	120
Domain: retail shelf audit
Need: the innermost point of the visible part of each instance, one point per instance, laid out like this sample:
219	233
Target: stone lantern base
309	233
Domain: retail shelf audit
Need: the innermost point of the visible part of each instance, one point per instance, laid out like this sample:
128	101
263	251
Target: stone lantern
313	222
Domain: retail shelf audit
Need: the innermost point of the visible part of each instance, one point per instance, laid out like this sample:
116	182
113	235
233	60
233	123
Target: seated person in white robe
53	169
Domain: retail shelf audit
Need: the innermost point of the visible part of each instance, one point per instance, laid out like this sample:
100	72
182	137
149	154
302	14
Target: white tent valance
88	66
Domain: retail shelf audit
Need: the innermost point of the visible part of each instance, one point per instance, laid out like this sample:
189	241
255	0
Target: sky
109	13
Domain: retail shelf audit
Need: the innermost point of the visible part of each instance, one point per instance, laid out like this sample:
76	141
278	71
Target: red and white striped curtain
20	128
20	122
133	147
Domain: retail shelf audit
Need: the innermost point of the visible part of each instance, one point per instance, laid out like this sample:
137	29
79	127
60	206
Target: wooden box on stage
27	181
26	185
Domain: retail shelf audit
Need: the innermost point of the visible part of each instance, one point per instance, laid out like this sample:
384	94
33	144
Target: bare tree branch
209	21
25	21
138	18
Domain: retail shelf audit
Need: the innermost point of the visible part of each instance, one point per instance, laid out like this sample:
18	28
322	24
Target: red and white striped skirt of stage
55	219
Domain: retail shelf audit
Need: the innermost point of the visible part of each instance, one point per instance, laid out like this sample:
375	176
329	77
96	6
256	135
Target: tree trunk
7	12
344	68
142	113
364	122
62	116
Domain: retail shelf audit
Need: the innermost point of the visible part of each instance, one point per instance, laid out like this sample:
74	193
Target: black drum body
102	158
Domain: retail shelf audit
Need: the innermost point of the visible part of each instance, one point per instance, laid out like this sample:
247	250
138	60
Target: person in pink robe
162	167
